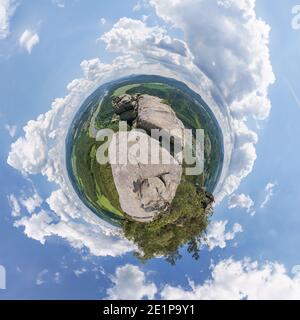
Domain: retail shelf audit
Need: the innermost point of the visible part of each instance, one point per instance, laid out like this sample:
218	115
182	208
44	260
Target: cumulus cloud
130	284
240	201
28	40
240	76
217	236
41	150
60	203
28	153
230	45
78	234
15	206
133	35
137	6
59	3
103	21
57	277
229	280
31	203
296	270
40	279
7	9
35	226
45	275
140	5
11	129
79	272
237	280
269	192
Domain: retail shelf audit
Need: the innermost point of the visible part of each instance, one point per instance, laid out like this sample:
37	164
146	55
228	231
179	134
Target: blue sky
29	82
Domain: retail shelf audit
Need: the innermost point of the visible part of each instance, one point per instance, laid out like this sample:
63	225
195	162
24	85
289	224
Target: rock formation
126	107
144	188
154	114
148	112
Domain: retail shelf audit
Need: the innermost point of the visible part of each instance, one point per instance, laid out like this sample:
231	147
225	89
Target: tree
184	223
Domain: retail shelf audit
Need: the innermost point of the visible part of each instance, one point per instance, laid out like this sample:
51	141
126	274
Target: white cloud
35	227
40	279
150	50
296	270
240	201
240	280
103	21
269	192
41	150
234	39
99	271
230	45
7	9
130	284
28	40
57	277
137	6
229	280
15	206
29	153
99	241
155	52
79	272
129	35
32	203
242	159
63	206
217	236
11	130
59	3
140	5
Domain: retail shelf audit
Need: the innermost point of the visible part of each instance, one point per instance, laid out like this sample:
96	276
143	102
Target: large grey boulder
124	103
149	113
144	189
153	113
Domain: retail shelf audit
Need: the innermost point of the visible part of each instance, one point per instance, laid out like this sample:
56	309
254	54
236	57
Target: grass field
122	90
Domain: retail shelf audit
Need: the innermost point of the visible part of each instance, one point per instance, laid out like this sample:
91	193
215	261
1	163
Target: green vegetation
95	180
193	116
122	90
186	222
188	216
